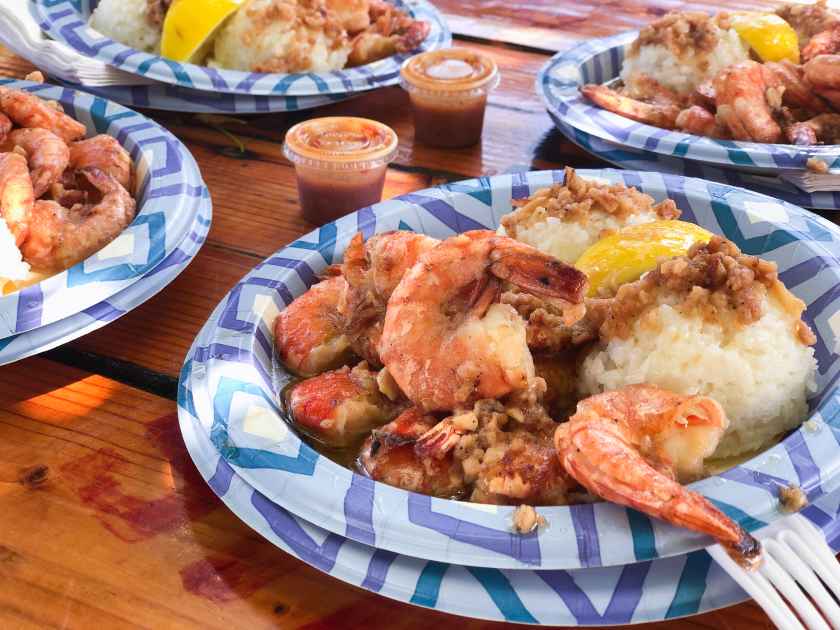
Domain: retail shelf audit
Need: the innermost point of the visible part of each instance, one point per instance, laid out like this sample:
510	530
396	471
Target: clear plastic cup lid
452	70
340	142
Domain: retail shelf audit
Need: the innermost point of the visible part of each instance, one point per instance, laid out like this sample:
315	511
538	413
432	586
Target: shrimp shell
105	153
27	110
47	154
16	194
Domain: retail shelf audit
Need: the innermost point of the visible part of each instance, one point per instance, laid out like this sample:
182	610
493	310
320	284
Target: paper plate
598	61
655	590
150	284
66	21
637	160
237	364
169	186
177	99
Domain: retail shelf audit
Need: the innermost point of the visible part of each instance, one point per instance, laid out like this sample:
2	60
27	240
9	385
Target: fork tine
816	551
805	575
779	578
757	587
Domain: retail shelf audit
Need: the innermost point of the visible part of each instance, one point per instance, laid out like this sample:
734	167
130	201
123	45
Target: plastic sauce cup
448	90
340	164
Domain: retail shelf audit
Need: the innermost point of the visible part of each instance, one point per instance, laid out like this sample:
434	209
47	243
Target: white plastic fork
796	561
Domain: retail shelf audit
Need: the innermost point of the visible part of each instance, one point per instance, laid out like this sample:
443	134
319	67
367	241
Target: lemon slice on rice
632	251
190	25
770	37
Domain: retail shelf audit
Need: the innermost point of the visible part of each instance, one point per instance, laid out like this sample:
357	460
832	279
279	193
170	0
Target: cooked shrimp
701	122
339	407
391	31
373	269
309	332
16	194
704	95
447	341
826	42
746	97
59	238
799	93
823	73
47	154
656	114
5	127
105	153
823	129
27	110
632	446
389	456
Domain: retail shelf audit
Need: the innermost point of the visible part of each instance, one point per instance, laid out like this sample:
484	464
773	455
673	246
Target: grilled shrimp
105	153
16	195
634	445
658	114
747	95
799	93
60	237
824	129
47	154
373	269
27	110
823	73
447	341
826	42
391	31
5	127
339	407
389	455
700	121
309	332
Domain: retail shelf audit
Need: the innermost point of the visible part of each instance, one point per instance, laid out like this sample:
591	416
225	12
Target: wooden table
105	521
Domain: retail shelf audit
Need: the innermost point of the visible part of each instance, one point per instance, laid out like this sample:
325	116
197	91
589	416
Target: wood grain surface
105	521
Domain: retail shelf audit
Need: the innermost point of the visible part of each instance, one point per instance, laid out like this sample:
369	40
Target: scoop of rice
683	50
126	21
565	220
281	36
12	266
760	373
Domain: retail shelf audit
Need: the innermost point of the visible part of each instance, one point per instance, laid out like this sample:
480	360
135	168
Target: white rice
683	74
125	21
567	240
246	42
760	374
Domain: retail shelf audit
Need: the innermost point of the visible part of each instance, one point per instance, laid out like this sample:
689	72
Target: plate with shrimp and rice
273	48
647	591
93	196
512	372
745	90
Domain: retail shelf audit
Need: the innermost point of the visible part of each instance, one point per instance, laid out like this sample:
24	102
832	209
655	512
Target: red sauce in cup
448	90
340	164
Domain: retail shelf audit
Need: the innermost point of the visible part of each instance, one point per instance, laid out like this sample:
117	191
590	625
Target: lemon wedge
191	24
632	251
768	35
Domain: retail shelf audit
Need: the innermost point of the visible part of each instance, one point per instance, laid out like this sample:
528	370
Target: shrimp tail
645	489
540	274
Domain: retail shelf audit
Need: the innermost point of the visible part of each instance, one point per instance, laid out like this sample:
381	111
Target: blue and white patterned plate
66	21
178	99
236	363
637	160
654	590
153	281
169	186
598	61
